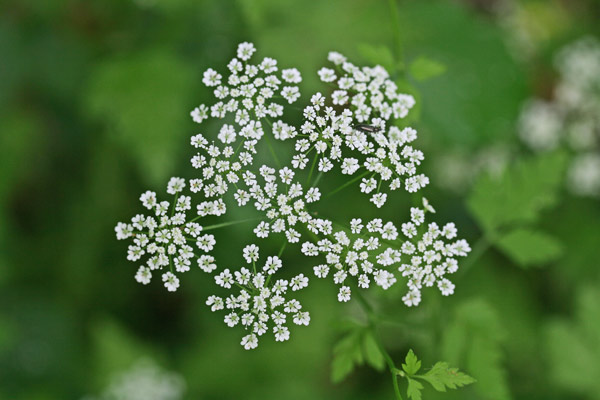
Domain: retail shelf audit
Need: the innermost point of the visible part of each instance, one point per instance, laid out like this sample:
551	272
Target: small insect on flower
367	128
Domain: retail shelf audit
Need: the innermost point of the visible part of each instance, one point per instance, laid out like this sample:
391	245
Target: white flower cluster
164	236
358	122
572	117
260	305
352	130
372	251
250	91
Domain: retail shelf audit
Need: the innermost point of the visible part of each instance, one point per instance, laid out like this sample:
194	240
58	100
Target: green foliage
441	377
380	55
573	347
17	148
347	353
115	348
414	389
372	352
411	365
424	68
477	100
529	247
520	194
358	346
95	98
505	206
475	339
143	98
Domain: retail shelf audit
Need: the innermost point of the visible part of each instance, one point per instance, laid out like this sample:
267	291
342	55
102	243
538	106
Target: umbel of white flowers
352	132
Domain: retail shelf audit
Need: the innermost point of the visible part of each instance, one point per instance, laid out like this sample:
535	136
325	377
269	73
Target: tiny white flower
171	281
344	294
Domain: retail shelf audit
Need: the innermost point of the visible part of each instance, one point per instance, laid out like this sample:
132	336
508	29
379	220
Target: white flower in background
261	306
144	380
456	170
584	175
572	117
540	125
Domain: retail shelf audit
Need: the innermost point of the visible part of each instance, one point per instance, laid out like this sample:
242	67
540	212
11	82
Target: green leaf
371	351
412	364
414	389
341	367
529	247
441	376
347	354
475	339
378	55
573	347
520	194
424	68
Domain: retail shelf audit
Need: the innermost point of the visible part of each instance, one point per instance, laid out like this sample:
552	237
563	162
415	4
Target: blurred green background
95	98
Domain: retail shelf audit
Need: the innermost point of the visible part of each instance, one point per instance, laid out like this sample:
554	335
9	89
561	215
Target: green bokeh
95	98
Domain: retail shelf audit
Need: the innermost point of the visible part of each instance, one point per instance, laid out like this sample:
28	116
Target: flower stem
224	224
272	150
317	179
388	359
396	29
479	249
282	248
350	182
312	167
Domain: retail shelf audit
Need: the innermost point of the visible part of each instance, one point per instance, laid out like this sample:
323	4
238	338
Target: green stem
282	248
317	179
388	359
272	150
224	224
397	33
350	182
479	249
312	167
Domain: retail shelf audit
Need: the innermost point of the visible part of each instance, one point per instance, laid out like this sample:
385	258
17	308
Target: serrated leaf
441	376
424	68
520	194
372	354
529	247
414	389
412	363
